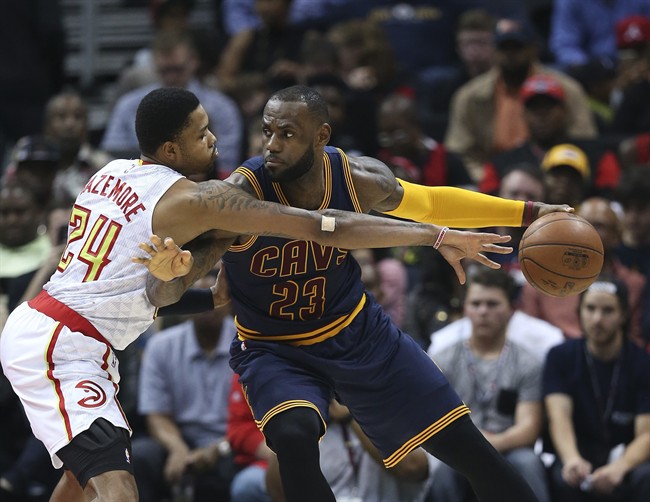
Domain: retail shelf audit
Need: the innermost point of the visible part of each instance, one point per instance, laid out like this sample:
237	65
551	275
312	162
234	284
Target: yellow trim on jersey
243	246
310	337
244	171
427	433
297	403
248	174
456	207
347	172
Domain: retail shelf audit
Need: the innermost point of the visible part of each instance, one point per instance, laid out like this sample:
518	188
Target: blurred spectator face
476	50
397	127
600	214
636	220
335	103
488	309
546	118
520	185
564	185
177	66
274	13
66	121
20	216
601	315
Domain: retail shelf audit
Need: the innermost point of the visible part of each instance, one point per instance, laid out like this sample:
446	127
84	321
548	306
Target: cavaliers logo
97	395
575	260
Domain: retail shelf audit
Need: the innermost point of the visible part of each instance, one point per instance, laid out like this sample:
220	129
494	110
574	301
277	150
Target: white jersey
95	277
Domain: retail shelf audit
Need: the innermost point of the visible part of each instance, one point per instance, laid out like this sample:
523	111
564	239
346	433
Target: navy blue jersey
289	290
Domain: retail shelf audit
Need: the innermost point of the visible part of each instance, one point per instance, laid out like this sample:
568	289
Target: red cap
632	31
542	85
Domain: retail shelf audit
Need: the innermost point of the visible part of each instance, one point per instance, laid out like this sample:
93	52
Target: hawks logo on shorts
96	397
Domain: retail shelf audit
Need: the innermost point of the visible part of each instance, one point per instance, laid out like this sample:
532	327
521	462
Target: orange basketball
561	254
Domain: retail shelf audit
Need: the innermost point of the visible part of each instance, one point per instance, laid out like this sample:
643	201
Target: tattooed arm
203	254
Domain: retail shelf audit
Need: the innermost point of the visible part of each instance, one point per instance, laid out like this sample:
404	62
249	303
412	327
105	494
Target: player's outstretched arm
441	205
231	211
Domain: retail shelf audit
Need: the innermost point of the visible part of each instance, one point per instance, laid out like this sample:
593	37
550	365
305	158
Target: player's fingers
147	248
155	240
141	261
169	243
460	271
186	257
493	248
486	261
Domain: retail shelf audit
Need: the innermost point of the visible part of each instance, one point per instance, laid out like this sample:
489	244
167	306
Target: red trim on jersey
58	311
56	381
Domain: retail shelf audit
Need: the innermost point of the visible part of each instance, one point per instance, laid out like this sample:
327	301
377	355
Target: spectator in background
250	451
32	55
633	44
272	49
352	120
475	49
240	15
567	174
583	29
184	385
412	155
563	312
598	79
634	249
499	380
24	245
367	62
66	124
633	112
597	396
487	114
177	63
546	114
35	161
523	181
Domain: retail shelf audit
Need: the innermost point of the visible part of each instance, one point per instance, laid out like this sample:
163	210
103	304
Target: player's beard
297	170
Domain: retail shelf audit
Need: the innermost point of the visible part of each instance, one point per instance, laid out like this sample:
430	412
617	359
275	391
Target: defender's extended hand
166	260
457	245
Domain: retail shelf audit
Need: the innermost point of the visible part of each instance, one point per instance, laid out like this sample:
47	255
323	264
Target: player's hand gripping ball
561	254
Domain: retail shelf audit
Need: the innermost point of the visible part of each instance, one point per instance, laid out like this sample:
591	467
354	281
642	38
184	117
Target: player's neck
308	191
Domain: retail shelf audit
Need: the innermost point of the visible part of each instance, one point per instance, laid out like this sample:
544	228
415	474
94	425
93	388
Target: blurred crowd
545	100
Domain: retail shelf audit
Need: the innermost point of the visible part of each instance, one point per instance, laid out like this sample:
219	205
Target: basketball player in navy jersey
306	329
57	350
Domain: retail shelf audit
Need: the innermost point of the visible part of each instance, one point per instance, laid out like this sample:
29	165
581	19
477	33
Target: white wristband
327	223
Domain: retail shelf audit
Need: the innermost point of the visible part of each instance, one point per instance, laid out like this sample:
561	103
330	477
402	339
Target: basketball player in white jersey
57	349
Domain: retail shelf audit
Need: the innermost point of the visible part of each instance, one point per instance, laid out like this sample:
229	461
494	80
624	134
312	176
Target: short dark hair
316	104
494	278
162	115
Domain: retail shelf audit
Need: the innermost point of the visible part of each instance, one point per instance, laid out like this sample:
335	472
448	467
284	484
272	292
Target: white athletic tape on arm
327	223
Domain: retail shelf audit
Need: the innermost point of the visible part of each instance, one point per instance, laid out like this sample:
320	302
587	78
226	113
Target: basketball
561	254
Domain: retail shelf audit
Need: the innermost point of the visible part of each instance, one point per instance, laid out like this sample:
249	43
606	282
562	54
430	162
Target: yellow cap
567	155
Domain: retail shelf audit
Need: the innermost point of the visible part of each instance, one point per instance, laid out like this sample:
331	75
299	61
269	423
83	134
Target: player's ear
323	135
169	151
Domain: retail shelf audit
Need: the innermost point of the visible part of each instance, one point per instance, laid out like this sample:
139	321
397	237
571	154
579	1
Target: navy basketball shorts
393	389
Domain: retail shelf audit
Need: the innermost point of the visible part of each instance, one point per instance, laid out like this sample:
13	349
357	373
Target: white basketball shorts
64	378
